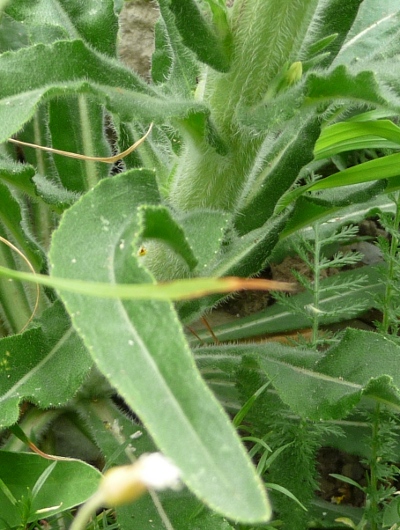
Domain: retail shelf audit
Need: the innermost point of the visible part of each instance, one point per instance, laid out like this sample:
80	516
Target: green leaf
158	223
268	23
115	434
13	34
348	195
48	20
76	124
154	372
173	65
279	171
334	17
391	513
346	136
46	364
314	385
307	212
12	218
68	484
18	175
161	61
205	230
54	194
340	83
375	30
70	67
199	36
244	256
331	386
183	510
380	168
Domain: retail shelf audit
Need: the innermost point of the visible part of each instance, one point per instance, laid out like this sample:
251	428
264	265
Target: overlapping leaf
140	348
318	386
70	67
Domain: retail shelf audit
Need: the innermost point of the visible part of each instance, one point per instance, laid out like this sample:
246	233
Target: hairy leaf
199	36
46	365
154	372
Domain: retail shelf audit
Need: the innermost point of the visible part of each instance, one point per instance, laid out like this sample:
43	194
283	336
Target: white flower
158	472
125	483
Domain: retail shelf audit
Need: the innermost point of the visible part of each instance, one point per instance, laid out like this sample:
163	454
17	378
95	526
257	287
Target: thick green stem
267	36
41	212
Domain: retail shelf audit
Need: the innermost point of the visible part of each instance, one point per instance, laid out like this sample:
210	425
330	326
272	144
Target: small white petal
158	472
124	484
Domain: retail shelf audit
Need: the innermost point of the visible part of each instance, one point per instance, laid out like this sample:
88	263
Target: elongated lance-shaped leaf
123	437
46	364
12	215
199	35
76	124
380	168
173	65
140	348
280	171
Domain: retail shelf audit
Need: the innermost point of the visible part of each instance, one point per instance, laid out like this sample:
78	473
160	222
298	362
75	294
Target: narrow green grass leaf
346	136
380	168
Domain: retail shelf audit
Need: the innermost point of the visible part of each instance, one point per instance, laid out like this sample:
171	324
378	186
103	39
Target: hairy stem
266	38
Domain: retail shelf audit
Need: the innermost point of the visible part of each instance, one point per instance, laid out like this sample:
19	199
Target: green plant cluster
273	133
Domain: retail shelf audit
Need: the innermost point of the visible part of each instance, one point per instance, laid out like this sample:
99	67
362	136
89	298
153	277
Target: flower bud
124	484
